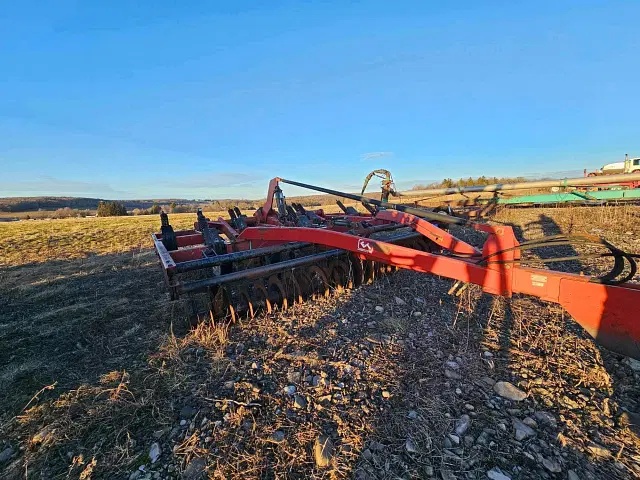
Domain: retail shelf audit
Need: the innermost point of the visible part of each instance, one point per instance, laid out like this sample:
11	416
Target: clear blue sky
211	99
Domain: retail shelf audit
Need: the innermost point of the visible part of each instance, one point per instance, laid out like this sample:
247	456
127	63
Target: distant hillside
33	204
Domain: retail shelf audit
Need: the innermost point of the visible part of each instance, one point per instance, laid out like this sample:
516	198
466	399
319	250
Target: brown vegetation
97	366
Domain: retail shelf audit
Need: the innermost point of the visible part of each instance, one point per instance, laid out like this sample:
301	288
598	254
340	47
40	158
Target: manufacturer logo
364	246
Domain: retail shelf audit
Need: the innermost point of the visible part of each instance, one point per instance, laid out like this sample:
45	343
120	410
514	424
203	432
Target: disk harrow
284	254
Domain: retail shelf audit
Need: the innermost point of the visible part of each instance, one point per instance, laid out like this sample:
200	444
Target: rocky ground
394	380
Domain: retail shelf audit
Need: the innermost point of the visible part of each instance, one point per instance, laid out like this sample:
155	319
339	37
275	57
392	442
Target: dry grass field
99	371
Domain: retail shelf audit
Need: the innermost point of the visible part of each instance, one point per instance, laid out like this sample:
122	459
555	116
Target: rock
412	415
545	418
633	363
294	377
483	438
379	309
135	475
376	446
276	437
289	390
154	452
299	401
399	301
530	422
572	475
496	474
195	469
386	394
6	454
452	365
447	475
187	412
462	425
183	423
323	451
522	431
509	391
552	465
451	374
229	385
410	446
454	438
417	314
599	450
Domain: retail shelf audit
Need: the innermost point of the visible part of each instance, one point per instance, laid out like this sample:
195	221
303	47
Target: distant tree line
111	209
470	182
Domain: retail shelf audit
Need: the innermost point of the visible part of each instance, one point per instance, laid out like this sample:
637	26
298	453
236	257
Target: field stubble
97	366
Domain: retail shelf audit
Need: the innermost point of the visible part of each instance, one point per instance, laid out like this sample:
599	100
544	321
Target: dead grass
91	314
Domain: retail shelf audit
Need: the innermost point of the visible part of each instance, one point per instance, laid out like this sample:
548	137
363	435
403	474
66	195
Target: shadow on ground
398	376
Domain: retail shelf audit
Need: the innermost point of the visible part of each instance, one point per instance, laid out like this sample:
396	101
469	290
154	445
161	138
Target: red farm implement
282	255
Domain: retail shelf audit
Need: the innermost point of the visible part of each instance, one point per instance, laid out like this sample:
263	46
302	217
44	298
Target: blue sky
207	100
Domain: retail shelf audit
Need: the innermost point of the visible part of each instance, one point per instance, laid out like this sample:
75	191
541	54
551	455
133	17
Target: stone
412	415
379	308
488	381
276	437
6	454
496	474
522	431
447	475
572	475
410	446
289	390
545	418
135	475
451	374
509	391
530	422
195	469
229	385
294	377
386	394
483	438
552	465
299	401
417	314
399	301
454	438
323	451
462	425
187	412
633	363
154	452
452	365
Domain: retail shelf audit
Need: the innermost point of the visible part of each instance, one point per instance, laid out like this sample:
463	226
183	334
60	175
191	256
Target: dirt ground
100	376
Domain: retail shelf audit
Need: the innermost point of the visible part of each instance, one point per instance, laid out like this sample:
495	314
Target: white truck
630	165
